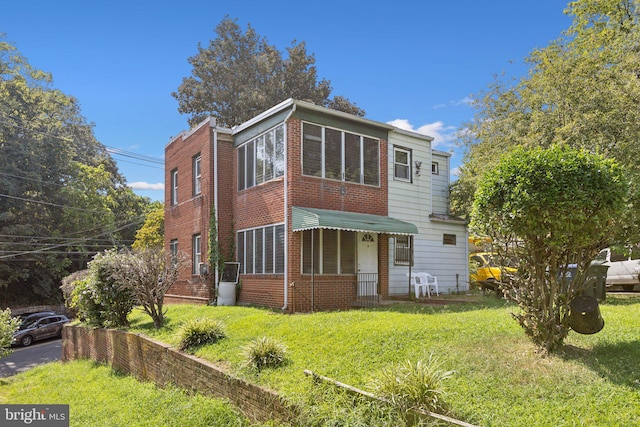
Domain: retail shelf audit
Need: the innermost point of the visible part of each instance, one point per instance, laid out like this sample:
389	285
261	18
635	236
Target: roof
311	218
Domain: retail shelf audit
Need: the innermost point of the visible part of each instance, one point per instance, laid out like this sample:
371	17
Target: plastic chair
428	280
419	284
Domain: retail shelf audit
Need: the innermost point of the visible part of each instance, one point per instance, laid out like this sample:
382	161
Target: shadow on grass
617	362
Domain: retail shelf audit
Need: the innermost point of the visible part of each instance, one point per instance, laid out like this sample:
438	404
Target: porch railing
367	294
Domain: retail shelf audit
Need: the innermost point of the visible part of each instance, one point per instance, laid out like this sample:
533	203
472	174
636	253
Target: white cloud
442	135
455	103
146	186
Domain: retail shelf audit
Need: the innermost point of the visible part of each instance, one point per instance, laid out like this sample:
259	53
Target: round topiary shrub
265	352
200	331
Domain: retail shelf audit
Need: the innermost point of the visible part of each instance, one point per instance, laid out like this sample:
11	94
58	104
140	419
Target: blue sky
413	63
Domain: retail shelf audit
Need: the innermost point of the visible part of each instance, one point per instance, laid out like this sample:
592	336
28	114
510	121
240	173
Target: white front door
367	263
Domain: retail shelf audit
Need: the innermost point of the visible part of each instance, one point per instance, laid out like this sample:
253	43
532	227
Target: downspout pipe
286	209
215	188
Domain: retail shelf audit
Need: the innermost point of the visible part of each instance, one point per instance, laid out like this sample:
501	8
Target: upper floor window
174	187
401	164
434	168
343	156
261	159
197	175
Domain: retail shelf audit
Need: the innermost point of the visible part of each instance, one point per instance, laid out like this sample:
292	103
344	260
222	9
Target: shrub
200	331
8	325
83	302
413	385
265	352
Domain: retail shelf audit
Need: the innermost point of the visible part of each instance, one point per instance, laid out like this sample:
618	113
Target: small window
197	175
434	168
174	187
403	254
448	239
401	164
197	253
173	250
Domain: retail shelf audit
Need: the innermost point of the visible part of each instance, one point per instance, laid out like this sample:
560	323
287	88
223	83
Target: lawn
98	397
499	378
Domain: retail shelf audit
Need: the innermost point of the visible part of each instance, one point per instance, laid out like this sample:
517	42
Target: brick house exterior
301	194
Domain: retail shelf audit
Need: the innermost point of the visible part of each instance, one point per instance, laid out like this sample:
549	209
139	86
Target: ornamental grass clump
200	331
265	352
416	385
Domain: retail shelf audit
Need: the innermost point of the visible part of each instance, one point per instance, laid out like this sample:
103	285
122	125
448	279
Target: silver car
43	328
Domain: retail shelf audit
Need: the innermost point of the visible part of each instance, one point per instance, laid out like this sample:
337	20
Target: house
322	209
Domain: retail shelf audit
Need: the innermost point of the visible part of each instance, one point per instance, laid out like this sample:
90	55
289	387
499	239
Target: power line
49	204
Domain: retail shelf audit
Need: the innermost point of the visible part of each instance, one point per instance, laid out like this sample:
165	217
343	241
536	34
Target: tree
549	208
8	326
582	90
148	274
62	198
151	234
240	75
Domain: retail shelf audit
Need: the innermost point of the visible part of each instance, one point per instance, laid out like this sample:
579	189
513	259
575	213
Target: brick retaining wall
150	360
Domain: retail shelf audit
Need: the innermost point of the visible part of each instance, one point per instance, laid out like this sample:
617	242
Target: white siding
414	202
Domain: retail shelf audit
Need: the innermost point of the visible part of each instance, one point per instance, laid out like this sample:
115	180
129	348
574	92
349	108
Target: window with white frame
261	250
197	175
173	250
174	187
343	156
401	164
327	251
261	159
435	168
197	253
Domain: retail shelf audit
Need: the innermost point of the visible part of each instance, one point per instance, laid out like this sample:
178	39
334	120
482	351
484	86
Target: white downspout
215	190
286	210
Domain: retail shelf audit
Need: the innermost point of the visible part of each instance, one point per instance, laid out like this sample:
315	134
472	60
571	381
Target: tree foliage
582	90
549	208
62	198
151	234
8	326
101	298
239	75
148	274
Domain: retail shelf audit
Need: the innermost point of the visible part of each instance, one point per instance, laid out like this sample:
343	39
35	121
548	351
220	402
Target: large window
401	164
261	159
343	156
197	253
403	254
174	187
197	175
328	252
261	250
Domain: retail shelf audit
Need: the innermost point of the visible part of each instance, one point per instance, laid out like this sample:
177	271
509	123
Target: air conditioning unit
203	268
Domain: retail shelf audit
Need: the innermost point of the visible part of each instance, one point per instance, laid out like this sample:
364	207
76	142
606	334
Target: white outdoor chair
419	284
429	281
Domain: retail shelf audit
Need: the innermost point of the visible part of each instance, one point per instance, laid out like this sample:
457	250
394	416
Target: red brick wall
150	360
190	215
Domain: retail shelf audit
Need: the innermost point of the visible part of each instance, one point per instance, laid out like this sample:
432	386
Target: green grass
499	380
98	397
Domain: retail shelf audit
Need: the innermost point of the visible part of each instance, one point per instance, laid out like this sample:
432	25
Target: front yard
499	379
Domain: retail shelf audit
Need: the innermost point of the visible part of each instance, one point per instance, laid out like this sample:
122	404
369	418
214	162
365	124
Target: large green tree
549	208
62	198
582	90
239	75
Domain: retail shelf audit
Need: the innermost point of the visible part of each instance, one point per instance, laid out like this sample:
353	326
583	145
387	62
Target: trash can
584	316
227	293
595	282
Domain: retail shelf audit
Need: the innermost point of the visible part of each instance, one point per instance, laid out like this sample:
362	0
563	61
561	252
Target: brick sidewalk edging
150	360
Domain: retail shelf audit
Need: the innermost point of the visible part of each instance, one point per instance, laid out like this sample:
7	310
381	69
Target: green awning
310	218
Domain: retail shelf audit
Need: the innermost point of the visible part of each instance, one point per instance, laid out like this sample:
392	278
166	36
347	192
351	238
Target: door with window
367	264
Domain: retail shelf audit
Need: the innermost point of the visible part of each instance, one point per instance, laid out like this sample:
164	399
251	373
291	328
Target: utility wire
49	204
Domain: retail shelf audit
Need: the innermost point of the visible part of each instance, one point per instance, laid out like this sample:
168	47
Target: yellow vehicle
489	269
